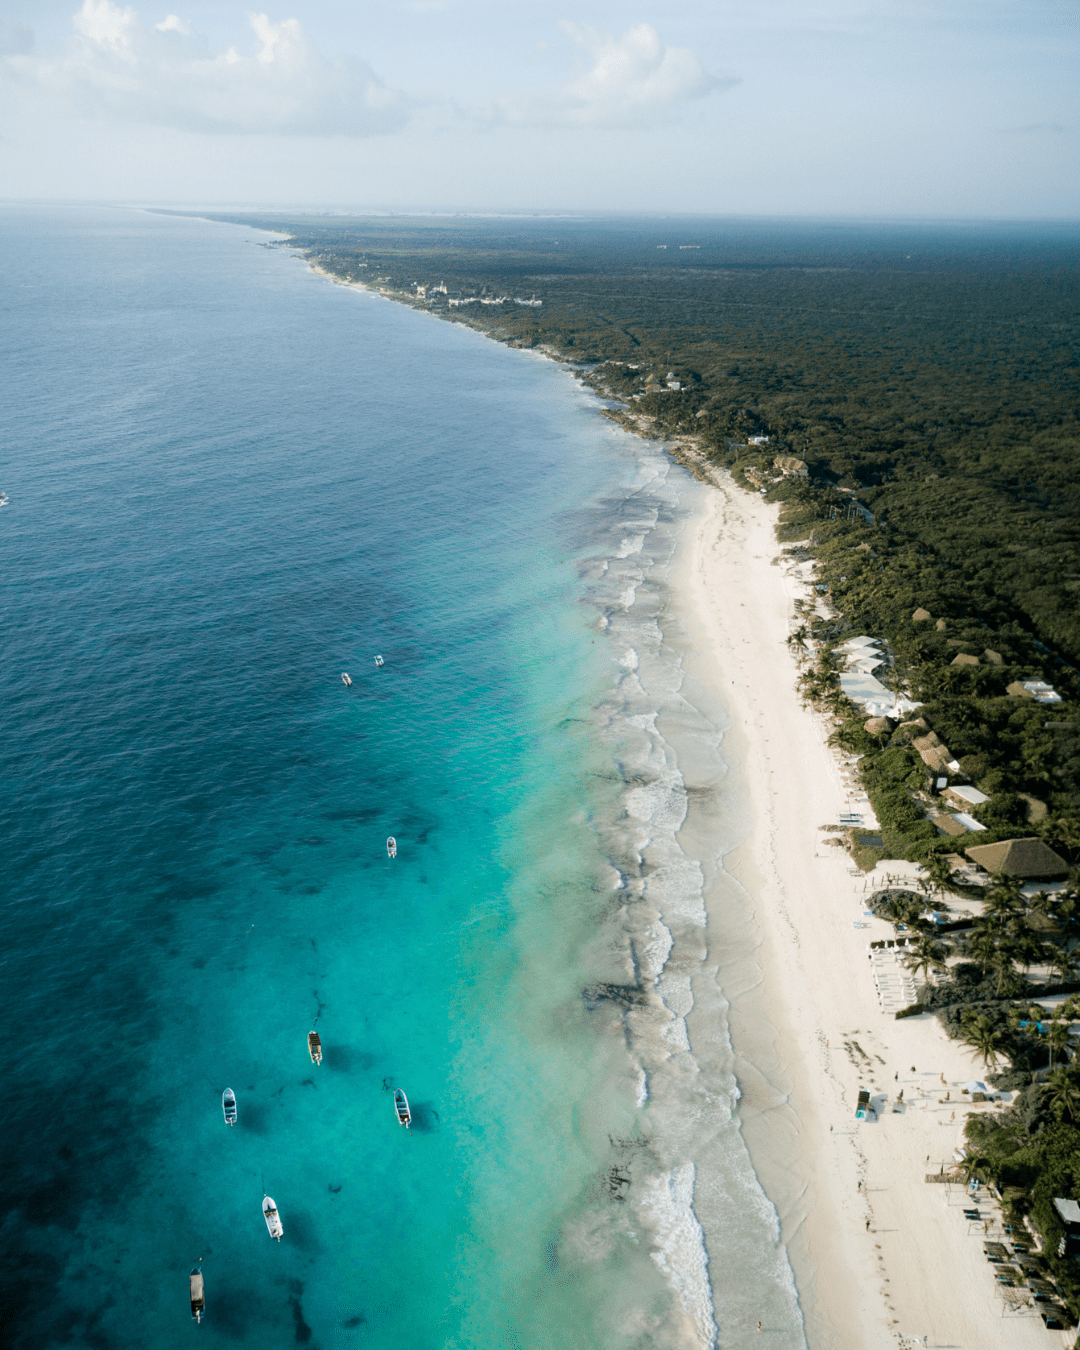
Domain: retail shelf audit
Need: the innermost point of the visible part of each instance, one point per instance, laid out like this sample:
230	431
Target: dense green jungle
928	376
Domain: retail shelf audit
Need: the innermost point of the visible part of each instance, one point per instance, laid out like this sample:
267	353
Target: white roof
854	642
1042	692
968	822
862	688
1068	1209
879	707
971	795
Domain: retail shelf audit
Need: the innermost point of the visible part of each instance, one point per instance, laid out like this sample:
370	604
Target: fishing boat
273	1218
346	678
195	1292
401	1106
378	660
314	1047
228	1105
391	847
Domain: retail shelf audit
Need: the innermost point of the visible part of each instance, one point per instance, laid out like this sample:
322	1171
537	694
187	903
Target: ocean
230	481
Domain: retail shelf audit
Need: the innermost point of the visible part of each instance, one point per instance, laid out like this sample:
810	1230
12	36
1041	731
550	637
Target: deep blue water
229	482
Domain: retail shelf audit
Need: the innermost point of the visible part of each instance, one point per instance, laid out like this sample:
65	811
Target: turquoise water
230	481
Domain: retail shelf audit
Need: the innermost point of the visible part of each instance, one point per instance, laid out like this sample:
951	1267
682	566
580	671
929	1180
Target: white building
1042	692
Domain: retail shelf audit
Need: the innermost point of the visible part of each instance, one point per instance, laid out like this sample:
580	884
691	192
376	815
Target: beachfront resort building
1039	690
862	657
1029	859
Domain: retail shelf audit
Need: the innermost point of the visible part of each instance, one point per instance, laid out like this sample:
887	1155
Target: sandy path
879	1255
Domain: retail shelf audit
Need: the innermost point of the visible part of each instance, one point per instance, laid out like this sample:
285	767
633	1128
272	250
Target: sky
867	108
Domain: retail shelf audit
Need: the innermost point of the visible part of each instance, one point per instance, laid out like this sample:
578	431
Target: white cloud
634	77
174	24
628	81
115	66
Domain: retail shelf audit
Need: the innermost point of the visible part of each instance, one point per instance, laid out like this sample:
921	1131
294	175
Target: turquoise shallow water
230	481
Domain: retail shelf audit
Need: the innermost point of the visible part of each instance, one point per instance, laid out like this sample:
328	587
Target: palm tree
1069	1010
797	642
908	911
975	1167
938	871
982	947
1062	832
1003	966
982	1036
1030	1016
1004	899
1027	949
1063	963
939	867
1057	1037
1063	1093
924	955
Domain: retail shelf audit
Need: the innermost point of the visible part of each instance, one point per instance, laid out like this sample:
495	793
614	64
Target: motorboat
195	1293
273	1218
391	847
4	502
228	1105
346	678
401	1106
314	1047
378	661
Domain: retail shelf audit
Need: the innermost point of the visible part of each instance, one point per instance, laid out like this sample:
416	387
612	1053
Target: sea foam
694	1183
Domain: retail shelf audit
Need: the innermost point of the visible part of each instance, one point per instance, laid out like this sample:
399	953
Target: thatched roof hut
932	752
949	824
963	659
1019	858
921	615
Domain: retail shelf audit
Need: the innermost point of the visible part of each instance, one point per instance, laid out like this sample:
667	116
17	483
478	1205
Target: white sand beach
881	1257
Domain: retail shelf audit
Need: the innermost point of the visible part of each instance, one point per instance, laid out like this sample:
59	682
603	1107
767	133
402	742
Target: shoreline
877	1256
880	1257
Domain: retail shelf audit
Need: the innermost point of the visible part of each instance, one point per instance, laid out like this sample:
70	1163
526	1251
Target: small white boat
273	1218
228	1105
314	1047
391	847
401	1106
4	502
346	678
378	660
195	1293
